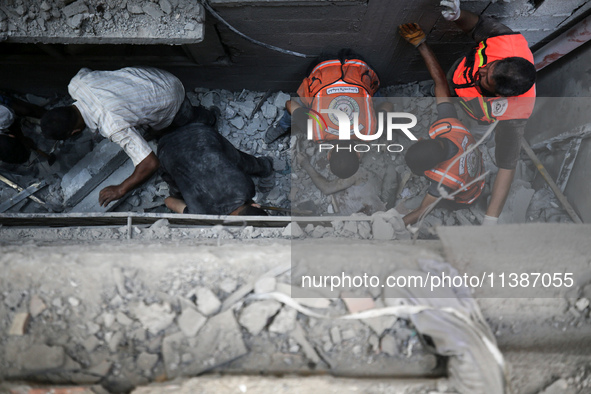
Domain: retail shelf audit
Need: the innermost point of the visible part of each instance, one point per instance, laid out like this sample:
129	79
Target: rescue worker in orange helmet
495	82
449	140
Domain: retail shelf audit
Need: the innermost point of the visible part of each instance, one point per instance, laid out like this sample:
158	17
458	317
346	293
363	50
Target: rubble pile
33	19
130	330
388	183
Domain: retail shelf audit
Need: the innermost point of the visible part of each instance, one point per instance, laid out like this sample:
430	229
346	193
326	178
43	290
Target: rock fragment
207	302
154	317
190	322
18	327
284	322
42	357
36	306
255	316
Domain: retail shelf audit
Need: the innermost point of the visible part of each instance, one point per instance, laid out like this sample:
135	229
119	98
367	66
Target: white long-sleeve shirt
119	104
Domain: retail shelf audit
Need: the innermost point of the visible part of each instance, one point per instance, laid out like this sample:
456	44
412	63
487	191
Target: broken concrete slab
19	323
42	357
154	317
518	200
207	302
218	342
255	316
190	321
90	203
89	172
36	306
284	322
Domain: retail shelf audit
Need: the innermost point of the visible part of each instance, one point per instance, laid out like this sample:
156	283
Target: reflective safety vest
348	87
489	109
466	169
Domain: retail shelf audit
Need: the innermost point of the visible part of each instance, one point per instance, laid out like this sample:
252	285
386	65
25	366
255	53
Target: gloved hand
489	220
451	9
412	33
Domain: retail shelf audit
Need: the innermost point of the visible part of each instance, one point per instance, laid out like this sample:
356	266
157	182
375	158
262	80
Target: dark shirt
212	176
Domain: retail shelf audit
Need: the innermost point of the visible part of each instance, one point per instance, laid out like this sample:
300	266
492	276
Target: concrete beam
90	203
89	172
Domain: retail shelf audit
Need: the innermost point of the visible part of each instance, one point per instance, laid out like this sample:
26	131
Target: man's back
209	172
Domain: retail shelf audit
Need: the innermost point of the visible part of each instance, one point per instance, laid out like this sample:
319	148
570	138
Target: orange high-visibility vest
489	109
348	87
464	170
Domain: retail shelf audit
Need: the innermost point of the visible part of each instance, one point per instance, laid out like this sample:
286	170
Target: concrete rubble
74	178
81	21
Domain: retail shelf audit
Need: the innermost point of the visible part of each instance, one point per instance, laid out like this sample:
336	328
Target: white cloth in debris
120	103
456	328
6	117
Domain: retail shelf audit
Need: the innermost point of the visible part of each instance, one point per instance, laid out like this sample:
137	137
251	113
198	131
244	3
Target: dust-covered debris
395	187
109	21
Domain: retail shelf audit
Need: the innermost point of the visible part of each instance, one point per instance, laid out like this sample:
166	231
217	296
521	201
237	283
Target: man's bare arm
324	185
414	216
142	172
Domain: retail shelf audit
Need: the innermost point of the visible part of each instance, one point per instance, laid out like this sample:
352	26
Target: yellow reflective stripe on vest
447	176
479	54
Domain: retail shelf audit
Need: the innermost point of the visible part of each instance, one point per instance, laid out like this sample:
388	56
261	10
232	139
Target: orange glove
412	33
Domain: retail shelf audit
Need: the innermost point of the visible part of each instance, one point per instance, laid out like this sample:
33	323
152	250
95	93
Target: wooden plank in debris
19	189
12	201
568	163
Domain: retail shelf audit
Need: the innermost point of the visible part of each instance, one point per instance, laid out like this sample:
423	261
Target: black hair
249	210
513	76
299	119
425	155
12	150
59	123
342	55
344	161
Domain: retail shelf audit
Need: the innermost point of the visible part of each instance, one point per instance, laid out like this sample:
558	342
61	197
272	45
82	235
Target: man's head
425	155
12	151
59	123
343	160
508	77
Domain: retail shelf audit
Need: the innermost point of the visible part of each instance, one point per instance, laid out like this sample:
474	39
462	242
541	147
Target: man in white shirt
121	104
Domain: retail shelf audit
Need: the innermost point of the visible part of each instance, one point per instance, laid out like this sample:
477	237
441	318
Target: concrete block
41	357
76	8
207	302
93	169
36	306
190	321
19	324
90	203
155	317
154	11
284	322
255	316
146	361
382	230
518	200
218	342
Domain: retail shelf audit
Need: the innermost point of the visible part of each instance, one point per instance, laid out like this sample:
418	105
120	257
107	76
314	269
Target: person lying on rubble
15	148
206	174
495	81
345	82
120	105
449	139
